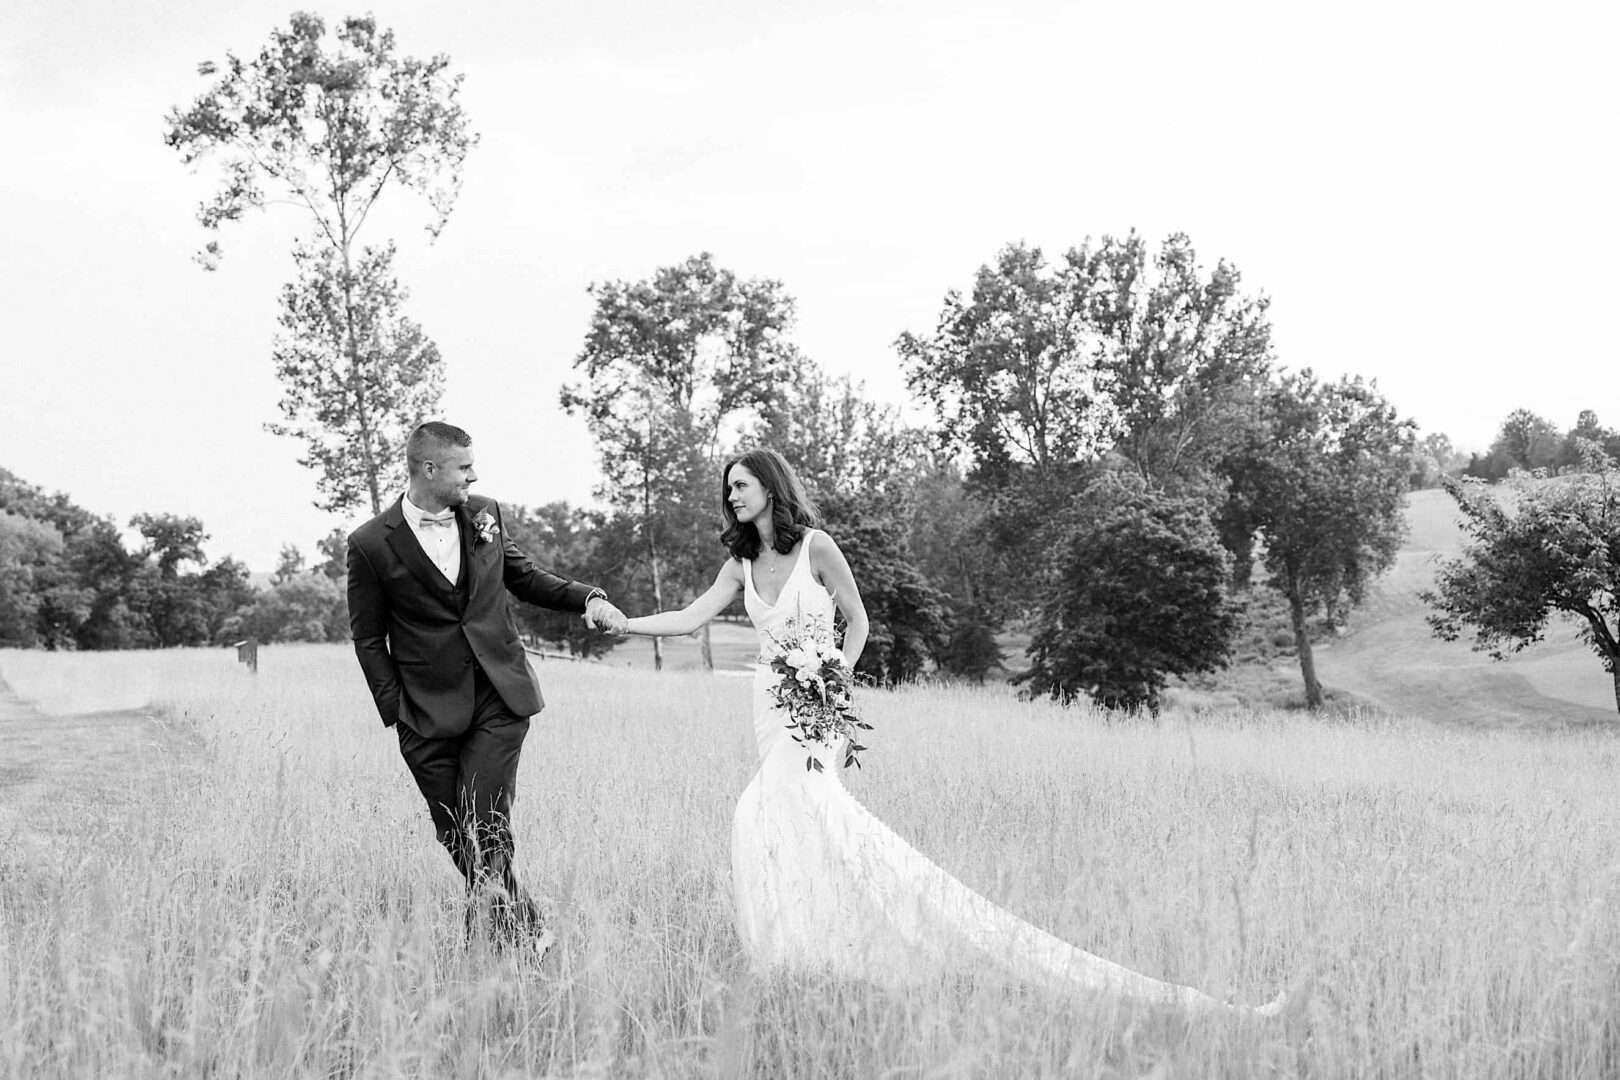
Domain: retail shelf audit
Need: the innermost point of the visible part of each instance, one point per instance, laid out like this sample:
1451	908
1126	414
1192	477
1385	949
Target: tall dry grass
271	903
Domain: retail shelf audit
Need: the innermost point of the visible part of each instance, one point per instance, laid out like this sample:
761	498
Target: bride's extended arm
675	623
833	569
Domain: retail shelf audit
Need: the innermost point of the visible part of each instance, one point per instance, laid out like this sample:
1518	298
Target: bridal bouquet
816	688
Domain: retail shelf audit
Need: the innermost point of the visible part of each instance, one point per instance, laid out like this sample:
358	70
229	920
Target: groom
428	579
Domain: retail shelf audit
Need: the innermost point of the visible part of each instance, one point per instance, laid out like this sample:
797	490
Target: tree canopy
329	126
673	367
1324	481
1138	595
1536	547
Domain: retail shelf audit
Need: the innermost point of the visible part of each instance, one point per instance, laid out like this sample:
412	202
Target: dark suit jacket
418	636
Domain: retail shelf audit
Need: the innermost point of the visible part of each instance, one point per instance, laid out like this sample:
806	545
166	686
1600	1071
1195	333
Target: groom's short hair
429	439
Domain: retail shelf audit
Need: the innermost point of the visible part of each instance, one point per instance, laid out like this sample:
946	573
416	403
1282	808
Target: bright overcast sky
1429	194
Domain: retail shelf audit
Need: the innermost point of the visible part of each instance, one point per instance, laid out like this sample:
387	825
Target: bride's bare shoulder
823	549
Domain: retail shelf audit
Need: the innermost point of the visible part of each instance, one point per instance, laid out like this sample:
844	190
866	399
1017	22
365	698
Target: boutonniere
487	529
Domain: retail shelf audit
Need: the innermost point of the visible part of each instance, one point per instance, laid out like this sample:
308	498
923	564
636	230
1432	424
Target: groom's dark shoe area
445	664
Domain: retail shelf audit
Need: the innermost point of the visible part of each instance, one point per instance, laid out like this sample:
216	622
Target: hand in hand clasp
603	616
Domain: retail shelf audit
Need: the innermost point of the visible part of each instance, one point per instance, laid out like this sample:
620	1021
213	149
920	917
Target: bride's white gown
822	884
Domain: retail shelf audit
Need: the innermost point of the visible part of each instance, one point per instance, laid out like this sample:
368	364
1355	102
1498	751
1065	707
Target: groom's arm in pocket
368	625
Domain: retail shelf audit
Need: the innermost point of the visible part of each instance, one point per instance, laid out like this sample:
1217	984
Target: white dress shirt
440	544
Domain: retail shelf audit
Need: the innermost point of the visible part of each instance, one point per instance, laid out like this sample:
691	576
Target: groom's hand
603	616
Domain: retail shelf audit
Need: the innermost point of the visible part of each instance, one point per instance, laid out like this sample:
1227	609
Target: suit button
466	659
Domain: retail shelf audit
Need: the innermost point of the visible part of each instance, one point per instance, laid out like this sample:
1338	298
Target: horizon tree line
1114	448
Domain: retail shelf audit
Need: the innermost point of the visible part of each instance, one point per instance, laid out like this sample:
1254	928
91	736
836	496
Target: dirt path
63	775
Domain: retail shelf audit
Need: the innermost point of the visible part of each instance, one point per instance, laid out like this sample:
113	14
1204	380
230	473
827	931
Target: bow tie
434	522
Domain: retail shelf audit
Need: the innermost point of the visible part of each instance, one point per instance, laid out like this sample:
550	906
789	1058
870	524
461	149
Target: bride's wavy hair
793	512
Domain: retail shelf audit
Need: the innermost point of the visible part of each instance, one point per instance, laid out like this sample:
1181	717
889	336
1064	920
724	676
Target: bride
819	882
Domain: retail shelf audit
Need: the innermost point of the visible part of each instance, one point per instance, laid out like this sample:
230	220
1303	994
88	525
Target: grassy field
243	884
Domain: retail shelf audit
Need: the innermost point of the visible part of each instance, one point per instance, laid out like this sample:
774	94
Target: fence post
247	652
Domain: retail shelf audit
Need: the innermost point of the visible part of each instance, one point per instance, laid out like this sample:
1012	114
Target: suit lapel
469	576
405	546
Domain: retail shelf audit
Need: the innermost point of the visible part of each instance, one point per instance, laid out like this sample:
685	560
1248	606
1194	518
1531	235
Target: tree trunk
1302	644
658	598
1614	668
708	650
362	414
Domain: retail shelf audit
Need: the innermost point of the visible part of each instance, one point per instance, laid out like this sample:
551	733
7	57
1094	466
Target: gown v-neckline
797	559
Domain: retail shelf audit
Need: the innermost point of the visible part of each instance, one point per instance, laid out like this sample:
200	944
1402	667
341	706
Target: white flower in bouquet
815	688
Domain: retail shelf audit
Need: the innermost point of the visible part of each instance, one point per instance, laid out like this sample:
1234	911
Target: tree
182	609
1015	378
581	544
1587	429
950	540
1539	547
1524	441
1529	441
170	540
225	588
838	439
330	129
1187	352
334	548
863	467
29	554
1139	595
303	607
1434	457
1048	376
289	564
672	365
1014	375
906	614
356	375
100	562
1326	489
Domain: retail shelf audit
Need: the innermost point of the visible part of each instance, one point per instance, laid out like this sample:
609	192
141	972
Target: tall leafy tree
1013	371
1325	485
1109	350
356	374
1524	441
1188	350
1538	547
673	366
1014	376
329	126
1112	358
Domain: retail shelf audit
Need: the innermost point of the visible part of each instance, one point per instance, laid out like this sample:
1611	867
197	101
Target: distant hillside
1390	659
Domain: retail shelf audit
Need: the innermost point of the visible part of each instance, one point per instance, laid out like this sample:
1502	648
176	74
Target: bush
1140	594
